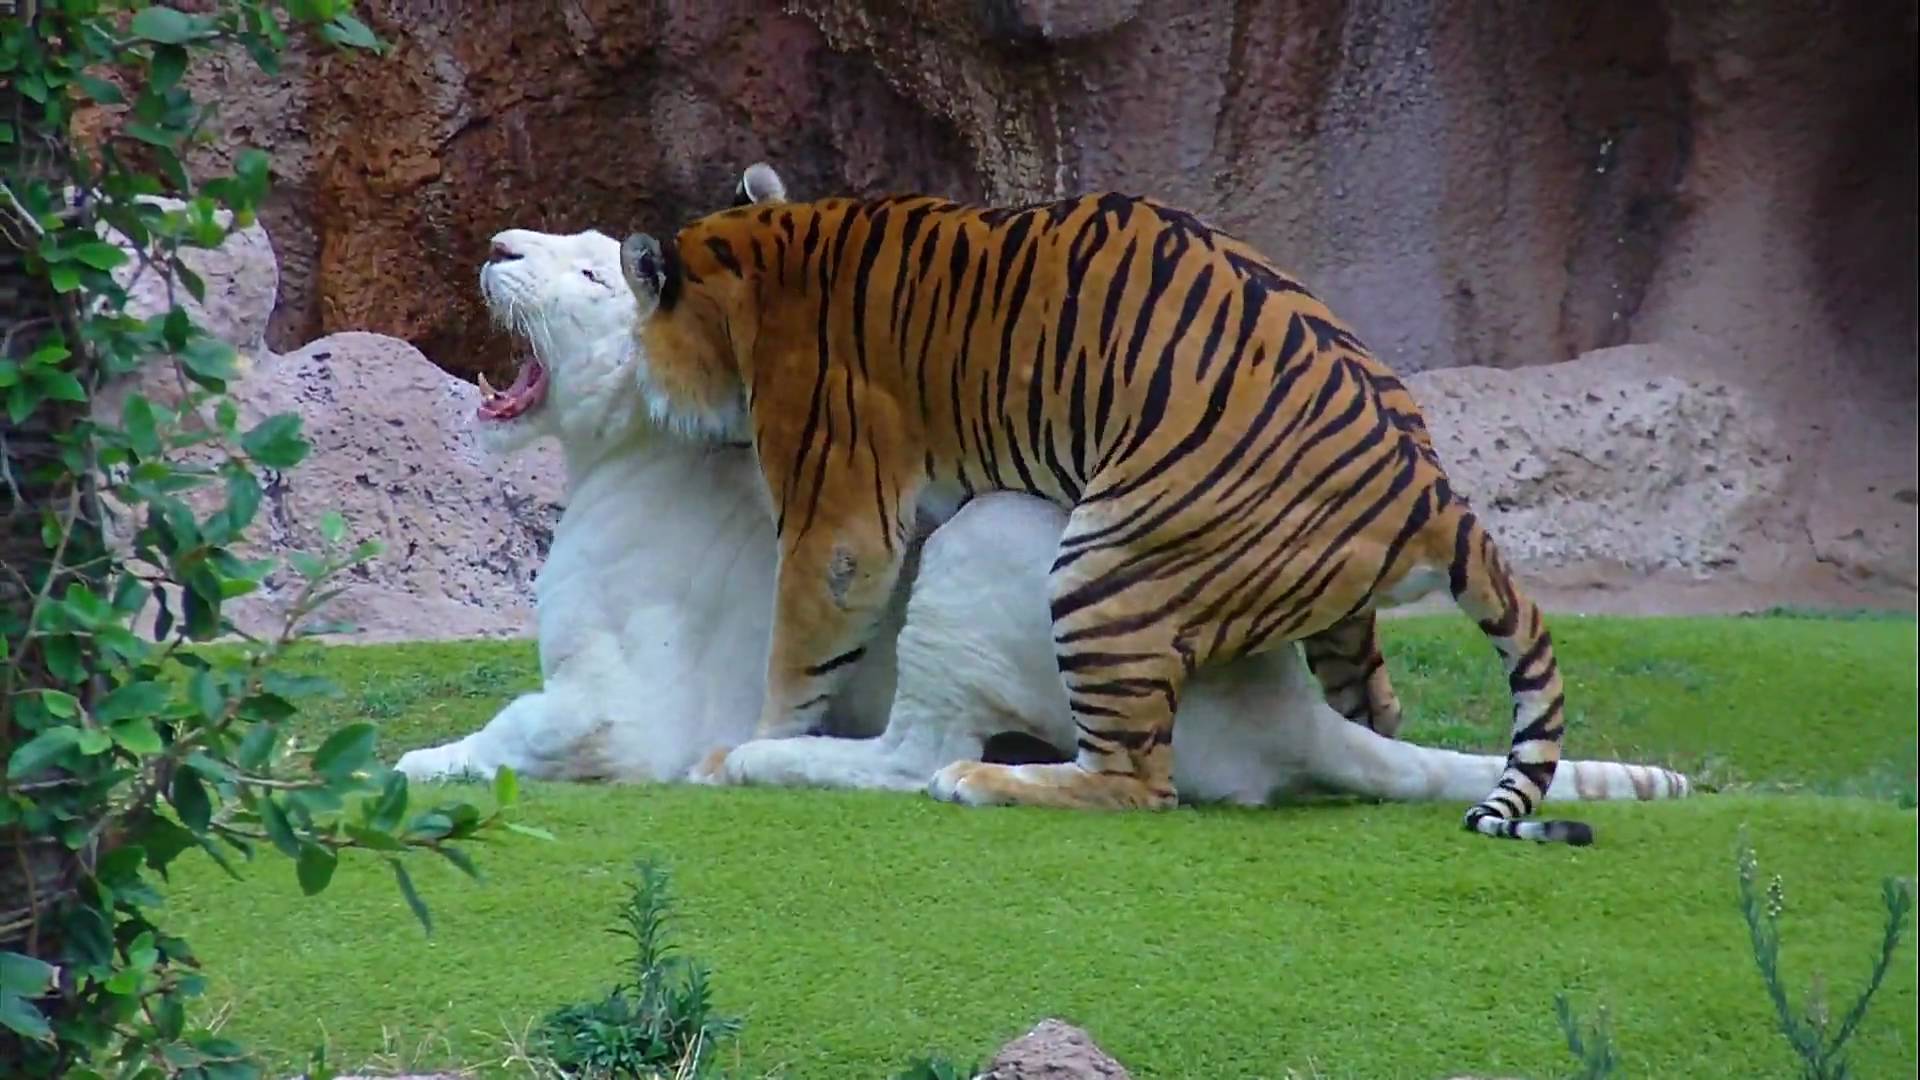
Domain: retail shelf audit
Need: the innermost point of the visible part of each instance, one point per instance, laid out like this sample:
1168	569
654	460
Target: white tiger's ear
759	184
652	272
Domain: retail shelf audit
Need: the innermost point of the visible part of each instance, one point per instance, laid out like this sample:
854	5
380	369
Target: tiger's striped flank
1238	469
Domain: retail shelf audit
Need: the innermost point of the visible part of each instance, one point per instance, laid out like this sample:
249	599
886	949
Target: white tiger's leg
1350	759
974	659
555	733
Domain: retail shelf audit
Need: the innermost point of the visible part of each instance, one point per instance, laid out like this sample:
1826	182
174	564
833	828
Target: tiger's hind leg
1346	658
1123	683
1484	589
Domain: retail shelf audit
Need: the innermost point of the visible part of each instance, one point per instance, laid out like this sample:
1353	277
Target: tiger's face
564	299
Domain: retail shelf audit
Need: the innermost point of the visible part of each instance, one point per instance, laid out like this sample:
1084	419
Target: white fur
652	605
655	604
762	184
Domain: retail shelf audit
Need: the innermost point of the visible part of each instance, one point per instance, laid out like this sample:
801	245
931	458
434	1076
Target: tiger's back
1239	470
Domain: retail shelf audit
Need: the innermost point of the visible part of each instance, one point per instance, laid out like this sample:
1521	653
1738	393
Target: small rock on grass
1053	1050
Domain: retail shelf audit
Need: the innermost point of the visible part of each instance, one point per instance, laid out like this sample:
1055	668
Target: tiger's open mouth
528	392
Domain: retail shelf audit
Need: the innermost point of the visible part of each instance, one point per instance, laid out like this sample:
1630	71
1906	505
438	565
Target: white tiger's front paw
443	762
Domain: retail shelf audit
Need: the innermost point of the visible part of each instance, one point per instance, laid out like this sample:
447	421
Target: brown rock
1494	186
1053	1050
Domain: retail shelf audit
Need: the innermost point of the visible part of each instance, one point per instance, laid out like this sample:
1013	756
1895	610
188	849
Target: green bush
659	1022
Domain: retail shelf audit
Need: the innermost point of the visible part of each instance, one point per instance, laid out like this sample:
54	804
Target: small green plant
1816	1040
1594	1048
658	1023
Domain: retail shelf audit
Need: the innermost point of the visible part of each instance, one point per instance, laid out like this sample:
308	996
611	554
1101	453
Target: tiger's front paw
967	783
1065	786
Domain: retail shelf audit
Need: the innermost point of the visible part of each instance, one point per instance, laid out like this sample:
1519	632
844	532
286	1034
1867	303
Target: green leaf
527	830
151	135
22	399
51	352
373	839
210	362
9	373
276	442
506	787
65	277
189	798
177	328
18	1015
307	564
333	527
407	890
6	133
350	32
461	859
101	255
345	750
133	699
58	385
60	703
274	819
143	432
137	736
208	697
243	499
385	812
189	280
315	868
256	747
94	741
253	167
166	26
100	90
25	975
42	750
169	63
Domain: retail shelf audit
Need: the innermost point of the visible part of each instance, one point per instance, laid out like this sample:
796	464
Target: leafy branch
126	743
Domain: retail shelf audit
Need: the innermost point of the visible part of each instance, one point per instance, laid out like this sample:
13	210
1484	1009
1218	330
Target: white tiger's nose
503	251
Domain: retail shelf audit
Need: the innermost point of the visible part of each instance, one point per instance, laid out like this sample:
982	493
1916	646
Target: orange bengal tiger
1239	471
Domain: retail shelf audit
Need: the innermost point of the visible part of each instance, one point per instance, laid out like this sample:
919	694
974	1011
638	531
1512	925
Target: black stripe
862	279
850	656
723	253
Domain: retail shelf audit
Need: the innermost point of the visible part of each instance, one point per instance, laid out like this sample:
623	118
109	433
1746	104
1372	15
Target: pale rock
1053	1050
1620	457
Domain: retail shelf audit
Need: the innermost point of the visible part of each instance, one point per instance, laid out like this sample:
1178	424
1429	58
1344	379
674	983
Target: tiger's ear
759	185
652	272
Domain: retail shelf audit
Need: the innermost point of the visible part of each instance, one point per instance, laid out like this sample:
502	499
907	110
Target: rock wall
1484	184
1487	183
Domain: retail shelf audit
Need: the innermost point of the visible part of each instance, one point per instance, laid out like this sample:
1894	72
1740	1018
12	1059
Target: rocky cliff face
1496	184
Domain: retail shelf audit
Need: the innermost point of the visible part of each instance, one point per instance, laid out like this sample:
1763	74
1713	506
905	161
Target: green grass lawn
853	931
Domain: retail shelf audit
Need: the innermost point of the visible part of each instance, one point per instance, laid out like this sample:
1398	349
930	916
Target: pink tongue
515	399
522	382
